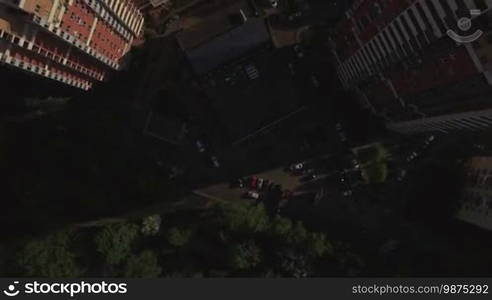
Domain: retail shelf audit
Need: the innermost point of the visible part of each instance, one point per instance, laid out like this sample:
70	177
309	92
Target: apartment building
397	55
476	206
75	42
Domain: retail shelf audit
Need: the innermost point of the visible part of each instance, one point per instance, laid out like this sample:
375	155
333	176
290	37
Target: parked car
347	193
355	164
253	195
298	50
429	140
200	146
309	177
237	183
259	184
215	161
296	167
251	71
253	181
413	155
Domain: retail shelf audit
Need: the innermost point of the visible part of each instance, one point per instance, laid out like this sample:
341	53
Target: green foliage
294	263
144	265
241	216
318	245
151	225
178	237
246	241
374	162
298	234
114	242
245	256
280	226
375	173
48	257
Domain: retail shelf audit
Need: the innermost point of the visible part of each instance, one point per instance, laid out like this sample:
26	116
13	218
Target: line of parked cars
414	154
255	186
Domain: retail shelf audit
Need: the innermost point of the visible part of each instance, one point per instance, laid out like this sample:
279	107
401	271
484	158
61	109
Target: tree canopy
48	256
114	242
143	265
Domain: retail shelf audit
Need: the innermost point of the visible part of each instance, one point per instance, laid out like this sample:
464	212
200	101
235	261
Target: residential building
477	198
76	42
398	57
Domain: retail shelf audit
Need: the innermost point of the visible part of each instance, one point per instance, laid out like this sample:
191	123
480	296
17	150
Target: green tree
298	234
114	241
318	245
280	226
241	216
151	225
245	256
294	263
144	265
48	257
178	237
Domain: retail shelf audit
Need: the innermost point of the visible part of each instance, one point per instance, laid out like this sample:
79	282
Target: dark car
309	177
237	183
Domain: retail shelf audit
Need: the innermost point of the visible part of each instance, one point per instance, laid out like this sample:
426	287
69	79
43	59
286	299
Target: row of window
405	37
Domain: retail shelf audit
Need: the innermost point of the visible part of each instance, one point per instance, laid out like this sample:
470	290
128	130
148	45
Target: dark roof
228	46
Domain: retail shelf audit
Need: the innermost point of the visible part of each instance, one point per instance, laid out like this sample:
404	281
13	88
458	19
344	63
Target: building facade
476	205
76	42
398	57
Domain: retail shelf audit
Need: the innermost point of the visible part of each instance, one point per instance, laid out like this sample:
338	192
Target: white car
253	195
298	50
296	167
215	161
200	145
259	183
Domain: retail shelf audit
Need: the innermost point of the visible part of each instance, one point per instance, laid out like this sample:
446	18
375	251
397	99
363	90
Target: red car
253	182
